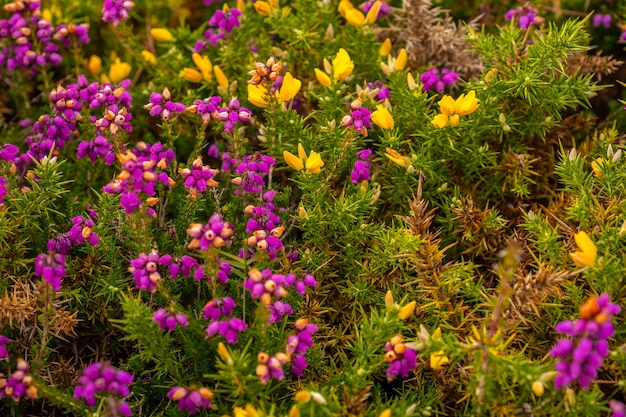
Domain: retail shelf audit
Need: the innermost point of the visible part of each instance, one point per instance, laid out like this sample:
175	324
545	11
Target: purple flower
271	367
230	329
190	399
168	319
162	105
526	15
101	377
618	408
145	270
601	20
198	178
3	190
251	172
81	231
51	267
433	78
582	355
214	233
114	11
65	34
383	91
233	114
219	307
400	357
220	24
359	118
207	109
19	384
361	170
99	146
383	11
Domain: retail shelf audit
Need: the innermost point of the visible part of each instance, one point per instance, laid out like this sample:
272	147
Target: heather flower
230	329
233	114
183	266
81	231
3	190
251	173
101	377
4	341
586	256
19	384
9	152
618	408
51	266
526	15
168	319
98	147
581	355
264	216
382	11
198	178
433	78
212	234
271	367
268	243
190	399
145	270
601	20
361	170
114	11
359	118
65	34
312	163
383	92
114	120
220	24
162	105
401	358
298	344
207	108
218	307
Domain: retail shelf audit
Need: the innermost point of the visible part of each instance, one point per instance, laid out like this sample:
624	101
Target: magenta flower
401	358
145	270
190	399
198	178
526	15
19	384
230	329
101	377
168	319
51	267
213	234
114	11
162	105
361	170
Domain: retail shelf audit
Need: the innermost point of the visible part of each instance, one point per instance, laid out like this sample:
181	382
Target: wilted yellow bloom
451	109
401	60
342	65
322	77
289	88
389	298
382	117
303	396
191	75
204	65
410	81
149	56
596	167
118	71
94	65
161	35
406	311
385	413
222	81
586	256
396	158
312	163
385	48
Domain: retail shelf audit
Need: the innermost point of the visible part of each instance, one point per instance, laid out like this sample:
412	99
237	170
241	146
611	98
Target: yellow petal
389	298
447	105
588	251
222	81
385	48
191	75
251	411
257	94
373	12
385	413
301	152
596	166
396	158
342	65
294	412
289	88
302	396
241	5
161	35
293	161
401	60
344	5
454	120
149	56
538	388
263	8
440	121
94	65
314	163
204	65
406	311
355	17
410	81
322	77
118	71
382	117
438	359
466	104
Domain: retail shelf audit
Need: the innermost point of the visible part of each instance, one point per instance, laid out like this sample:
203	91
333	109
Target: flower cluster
220	24
526	15
213	234
81	231
233	114
601	20
271	367
342	67
168	319
230	328
198	178
401	358
51	266
162	105
451	109
433	78
359	117
139	173
251	172
207	108
66	34
581	355
102	377
19	384
190	399
298	343
115	11
26	38
145	270
361	170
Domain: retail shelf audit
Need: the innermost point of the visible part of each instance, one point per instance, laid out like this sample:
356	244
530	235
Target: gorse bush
311	208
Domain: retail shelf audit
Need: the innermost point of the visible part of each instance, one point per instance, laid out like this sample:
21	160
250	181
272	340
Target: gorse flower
355	17
258	94
586	256
382	117
451	109
342	65
118	71
312	163
161	35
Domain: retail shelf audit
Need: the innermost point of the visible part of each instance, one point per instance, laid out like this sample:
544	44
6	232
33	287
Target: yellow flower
289	88
204	65
224	353
440	121
313	163
265	8
385	413
396	158
257	94
303	396
342	65
373	13
355	17
538	389
385	48
438	359
94	65
322	77
249	411
222	81
465	105
191	75
451	109
382	117
161	35
149	56
344	5
401	60
586	256
294	412
118	71
596	166
406	311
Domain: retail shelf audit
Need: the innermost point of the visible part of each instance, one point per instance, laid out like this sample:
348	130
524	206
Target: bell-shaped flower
586	256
